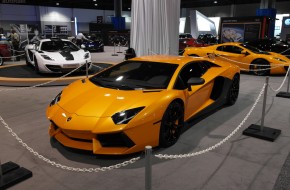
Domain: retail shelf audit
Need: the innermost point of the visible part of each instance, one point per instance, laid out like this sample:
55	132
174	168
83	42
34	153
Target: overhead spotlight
215	2
57	4
94	0
129	8
96	4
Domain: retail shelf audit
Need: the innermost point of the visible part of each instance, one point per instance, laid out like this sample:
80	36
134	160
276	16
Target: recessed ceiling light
215	2
96	4
57	4
129	8
94	0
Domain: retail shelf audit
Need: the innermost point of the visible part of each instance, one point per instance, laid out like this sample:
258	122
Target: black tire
171	124
234	89
36	68
260	67
1	60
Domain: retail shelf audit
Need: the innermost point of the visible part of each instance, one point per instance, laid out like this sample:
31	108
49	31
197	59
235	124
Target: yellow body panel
241	60
85	109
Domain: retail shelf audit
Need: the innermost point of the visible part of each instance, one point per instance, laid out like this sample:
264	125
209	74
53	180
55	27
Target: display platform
21	75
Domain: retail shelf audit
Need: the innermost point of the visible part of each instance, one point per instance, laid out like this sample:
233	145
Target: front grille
115	140
54	68
77	139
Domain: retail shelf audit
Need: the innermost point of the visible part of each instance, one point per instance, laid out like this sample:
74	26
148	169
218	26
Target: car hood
66	55
94	101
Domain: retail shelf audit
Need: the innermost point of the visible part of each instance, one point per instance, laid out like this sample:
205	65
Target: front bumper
279	70
101	135
65	69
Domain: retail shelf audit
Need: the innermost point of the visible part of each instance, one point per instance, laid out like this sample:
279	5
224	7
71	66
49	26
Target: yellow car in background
248	58
141	101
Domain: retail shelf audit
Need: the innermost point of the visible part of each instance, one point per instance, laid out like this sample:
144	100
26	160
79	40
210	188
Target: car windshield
253	49
58	45
136	75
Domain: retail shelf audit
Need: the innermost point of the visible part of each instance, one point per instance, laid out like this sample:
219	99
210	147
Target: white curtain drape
155	26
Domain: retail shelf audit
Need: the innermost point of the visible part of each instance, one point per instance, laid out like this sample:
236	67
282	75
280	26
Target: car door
199	95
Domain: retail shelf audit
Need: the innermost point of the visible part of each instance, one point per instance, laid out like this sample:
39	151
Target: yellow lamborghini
248	58
141	101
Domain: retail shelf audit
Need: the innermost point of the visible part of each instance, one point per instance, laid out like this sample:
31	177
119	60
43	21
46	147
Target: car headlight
124	117
87	55
278	59
47	57
56	99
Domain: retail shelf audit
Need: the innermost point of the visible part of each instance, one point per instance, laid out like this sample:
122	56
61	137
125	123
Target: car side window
193	69
230	49
220	48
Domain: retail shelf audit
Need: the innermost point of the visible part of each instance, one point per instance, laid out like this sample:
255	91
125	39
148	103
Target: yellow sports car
248	58
141	101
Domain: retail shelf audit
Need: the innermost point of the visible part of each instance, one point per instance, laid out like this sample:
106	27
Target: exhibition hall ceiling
126	4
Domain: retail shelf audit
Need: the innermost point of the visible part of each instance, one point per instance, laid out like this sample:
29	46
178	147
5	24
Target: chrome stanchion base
267	133
13	174
283	94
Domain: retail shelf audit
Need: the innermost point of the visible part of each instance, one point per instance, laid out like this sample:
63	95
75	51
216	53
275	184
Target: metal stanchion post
288	83
87	69
287	93
148	167
264	104
114	54
119	48
262	132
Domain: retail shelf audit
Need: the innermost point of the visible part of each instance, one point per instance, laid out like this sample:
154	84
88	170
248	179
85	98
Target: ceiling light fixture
96	4
57	4
215	2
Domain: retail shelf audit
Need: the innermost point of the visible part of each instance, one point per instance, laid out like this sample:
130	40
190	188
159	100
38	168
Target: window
193	69
136	74
230	49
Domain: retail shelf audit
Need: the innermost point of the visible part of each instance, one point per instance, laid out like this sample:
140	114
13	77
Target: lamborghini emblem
68	119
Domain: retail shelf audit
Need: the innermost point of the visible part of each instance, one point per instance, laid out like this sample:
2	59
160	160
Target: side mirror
245	52
194	81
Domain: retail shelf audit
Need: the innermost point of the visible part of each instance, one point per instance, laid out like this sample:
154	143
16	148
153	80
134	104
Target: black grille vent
115	140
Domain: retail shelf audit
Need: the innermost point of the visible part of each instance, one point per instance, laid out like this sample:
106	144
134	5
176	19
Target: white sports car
56	56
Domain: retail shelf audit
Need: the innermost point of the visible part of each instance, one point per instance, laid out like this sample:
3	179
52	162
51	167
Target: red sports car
186	40
5	53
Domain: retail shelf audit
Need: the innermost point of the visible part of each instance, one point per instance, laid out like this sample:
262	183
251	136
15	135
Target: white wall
238	10
24	14
18	12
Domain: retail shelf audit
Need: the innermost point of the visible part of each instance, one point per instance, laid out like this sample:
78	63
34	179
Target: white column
155	25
